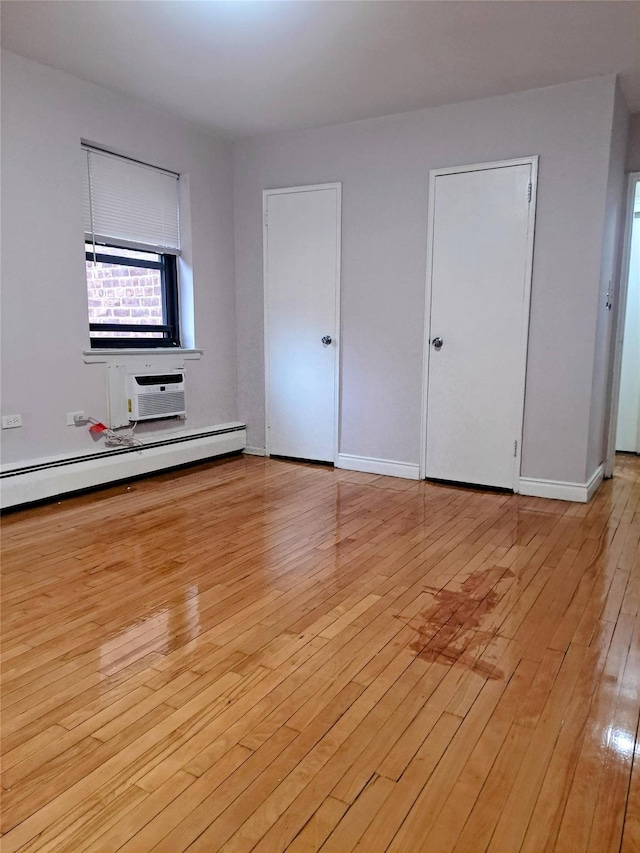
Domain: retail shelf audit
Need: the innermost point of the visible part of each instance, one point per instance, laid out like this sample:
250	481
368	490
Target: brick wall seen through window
119	294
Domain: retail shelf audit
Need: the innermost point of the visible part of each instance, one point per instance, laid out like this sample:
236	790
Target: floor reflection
620	741
163	631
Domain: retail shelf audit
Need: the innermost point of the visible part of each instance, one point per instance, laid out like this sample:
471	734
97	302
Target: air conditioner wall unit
155	395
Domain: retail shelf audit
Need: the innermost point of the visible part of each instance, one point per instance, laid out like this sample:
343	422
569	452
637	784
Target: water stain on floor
450	630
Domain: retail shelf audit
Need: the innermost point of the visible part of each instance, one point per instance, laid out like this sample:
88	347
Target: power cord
116	437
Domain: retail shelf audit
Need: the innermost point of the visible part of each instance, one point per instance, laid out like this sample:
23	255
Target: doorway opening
625	429
628	427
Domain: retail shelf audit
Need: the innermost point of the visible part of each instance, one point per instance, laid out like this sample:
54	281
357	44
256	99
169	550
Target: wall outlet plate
74	418
11	421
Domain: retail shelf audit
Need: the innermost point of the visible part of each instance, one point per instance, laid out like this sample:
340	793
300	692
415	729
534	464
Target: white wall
45	114
612	239
384	166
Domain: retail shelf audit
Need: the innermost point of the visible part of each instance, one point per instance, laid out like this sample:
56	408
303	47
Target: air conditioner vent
159	378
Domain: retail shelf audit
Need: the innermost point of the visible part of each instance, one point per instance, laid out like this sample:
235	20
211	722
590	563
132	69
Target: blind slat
131	202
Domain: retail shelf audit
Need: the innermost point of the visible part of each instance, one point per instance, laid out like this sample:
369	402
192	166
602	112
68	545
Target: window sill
104	356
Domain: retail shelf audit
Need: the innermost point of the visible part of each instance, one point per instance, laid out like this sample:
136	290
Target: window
132	297
131	220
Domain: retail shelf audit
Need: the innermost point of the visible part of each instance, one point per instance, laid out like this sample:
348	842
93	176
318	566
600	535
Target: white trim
594	481
623	288
562	491
386	467
338	343
522	356
37	483
338	298
104	356
265	318
255	451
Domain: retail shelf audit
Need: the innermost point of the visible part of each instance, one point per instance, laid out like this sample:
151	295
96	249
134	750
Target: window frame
168	267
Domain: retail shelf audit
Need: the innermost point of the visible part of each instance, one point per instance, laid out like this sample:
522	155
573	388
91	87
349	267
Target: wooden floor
261	655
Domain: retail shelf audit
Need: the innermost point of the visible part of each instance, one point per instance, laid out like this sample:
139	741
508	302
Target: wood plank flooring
257	655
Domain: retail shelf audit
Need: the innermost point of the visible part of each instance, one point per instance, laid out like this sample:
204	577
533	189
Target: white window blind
130	203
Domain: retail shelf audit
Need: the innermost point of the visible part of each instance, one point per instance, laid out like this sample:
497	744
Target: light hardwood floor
260	655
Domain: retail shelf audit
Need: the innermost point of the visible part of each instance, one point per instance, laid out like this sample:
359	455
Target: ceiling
241	68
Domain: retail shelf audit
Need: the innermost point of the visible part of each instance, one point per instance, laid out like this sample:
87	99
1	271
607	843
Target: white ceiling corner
247	67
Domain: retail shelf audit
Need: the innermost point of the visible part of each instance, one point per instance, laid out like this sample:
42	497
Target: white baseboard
386	467
562	491
255	451
594	482
53	476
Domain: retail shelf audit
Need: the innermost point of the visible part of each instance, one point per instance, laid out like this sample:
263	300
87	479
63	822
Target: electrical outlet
74	418
11	421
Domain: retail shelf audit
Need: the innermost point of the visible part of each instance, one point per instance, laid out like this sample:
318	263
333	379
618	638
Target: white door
302	277
481	231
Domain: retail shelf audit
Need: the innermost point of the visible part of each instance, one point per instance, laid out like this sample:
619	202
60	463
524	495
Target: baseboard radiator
55	476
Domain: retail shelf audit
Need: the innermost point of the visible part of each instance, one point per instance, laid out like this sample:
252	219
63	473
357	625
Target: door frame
524	336
337	340
623	288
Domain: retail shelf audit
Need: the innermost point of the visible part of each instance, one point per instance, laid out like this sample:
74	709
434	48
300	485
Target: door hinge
515	448
266	218
529	191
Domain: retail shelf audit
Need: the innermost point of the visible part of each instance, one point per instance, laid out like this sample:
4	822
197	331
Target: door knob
437	343
326	340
